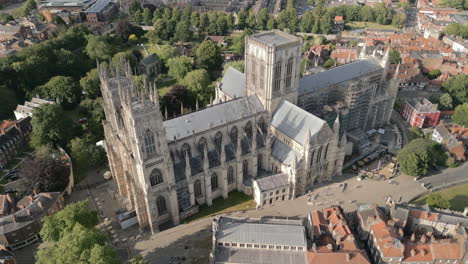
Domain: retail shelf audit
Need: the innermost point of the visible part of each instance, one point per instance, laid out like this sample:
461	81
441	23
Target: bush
329	63
436	200
450	162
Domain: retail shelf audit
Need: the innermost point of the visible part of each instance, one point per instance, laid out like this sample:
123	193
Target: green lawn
237	201
358	25
457	196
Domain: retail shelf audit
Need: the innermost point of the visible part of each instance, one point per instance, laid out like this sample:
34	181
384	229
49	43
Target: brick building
420	112
14	135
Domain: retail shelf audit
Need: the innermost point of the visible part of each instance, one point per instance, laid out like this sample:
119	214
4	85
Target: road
447	177
397	119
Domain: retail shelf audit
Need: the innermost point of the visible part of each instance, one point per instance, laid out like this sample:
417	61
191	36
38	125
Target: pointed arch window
319	154
248	130
277	80
218	140
214	182
230	175
259	161
312	158
326	152
245	168
233	134
156	177
289	68
150	146
202	144
186	149
197	188
161	203
262	125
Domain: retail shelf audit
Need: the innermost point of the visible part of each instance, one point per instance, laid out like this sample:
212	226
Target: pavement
446	177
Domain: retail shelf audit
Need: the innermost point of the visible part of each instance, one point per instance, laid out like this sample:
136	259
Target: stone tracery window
202	144
218	140
233	134
186	149
277	78
214	181
289	74
156	177
161	203
230	175
197	188
150	146
248	130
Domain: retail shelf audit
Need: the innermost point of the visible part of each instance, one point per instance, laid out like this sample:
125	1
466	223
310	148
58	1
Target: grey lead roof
98	6
233	83
294	121
244	256
272	182
283	153
210	117
262	233
343	73
274	38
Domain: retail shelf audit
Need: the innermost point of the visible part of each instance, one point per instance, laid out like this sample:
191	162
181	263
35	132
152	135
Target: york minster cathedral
166	168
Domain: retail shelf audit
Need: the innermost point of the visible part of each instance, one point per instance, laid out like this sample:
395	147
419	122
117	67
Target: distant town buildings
449	141
14	136
406	234
420	112
27	108
22	220
92	11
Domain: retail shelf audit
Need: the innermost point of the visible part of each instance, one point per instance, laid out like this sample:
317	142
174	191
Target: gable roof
272	182
217	115
233	83
294	121
343	73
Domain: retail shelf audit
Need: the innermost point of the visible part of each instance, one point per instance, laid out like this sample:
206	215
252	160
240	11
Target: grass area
359	25
236	201
457	196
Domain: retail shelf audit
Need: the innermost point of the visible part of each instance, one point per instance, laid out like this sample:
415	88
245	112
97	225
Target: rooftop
340	74
272	182
285	232
274	38
98	6
243	255
233	83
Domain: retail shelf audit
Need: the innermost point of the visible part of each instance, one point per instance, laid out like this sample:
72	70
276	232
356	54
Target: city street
442	179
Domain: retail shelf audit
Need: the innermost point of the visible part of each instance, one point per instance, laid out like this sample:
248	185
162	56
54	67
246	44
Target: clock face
322	135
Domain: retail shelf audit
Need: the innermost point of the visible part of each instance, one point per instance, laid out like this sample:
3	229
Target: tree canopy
460	116
238	65
457	87
50	126
198	82
208	56
99	47
179	66
436	200
394	56
62	89
419	155
91	84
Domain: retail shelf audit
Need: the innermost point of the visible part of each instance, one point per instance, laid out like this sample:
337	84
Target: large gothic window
289	73
150	146
197	188
233	134
230	175
277	79
218	140
214	182
253	72
262	125
186	149
202	144
156	177
312	158
319	154
245	168
261	76
161	202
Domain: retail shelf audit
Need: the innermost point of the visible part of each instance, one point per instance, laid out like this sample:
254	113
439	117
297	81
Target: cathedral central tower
272	66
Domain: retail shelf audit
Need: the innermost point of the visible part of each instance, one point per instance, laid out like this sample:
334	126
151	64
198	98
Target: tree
179	66
5	18
50	126
307	22
445	101
94	112
80	245
197	82
366	13
177	96
27	8
165	52
241	19
457	87
394	56
414	133
91	84
62	89
138	17
239	42
183	32
208	56
98	47
138	260
120	58
457	30
262	19
436	200
399	20
326	24
450	162
86	153
44	174
329	63
460	116
434	74
238	65
57	225
147	16
420	154
271	23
